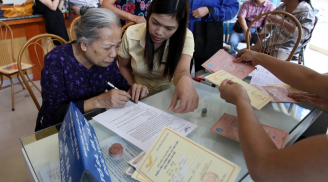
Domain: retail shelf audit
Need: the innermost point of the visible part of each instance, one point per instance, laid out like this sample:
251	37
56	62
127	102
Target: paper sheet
258	98
175	158
116	166
290	89
50	173
263	77
227	126
279	94
141	123
224	61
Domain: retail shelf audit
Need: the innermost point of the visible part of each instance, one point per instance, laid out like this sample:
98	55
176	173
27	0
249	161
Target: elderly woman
76	72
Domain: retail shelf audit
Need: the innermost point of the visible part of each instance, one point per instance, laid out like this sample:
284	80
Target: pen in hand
240	53
111	85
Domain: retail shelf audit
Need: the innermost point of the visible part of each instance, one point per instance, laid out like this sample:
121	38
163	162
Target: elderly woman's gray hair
93	19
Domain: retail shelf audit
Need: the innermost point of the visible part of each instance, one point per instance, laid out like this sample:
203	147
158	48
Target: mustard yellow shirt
133	47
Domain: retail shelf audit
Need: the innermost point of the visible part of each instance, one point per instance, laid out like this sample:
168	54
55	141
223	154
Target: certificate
258	98
224	61
173	157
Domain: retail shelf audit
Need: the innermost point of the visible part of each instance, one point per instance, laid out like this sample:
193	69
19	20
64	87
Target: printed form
141	123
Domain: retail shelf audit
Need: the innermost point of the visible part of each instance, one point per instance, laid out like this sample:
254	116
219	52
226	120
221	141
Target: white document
141	123
116	166
263	77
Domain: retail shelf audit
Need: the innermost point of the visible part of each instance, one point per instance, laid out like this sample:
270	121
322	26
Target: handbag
25	9
238	28
208	36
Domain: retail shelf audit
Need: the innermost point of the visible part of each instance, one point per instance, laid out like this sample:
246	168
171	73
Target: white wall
13	1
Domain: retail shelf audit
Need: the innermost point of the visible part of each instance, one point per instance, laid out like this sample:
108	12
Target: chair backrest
6	38
273	32
35	49
72	27
123	30
126	26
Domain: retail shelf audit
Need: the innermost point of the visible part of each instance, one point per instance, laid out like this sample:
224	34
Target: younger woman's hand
138	91
186	93
233	92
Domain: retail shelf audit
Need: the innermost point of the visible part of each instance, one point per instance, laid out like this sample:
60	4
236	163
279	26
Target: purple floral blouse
65	80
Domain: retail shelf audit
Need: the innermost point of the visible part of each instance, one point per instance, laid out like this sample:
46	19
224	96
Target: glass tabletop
42	148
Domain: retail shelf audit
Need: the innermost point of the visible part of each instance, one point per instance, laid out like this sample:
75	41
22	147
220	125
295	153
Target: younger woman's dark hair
178	9
308	1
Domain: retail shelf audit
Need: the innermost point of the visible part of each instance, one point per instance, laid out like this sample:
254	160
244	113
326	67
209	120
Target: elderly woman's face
102	52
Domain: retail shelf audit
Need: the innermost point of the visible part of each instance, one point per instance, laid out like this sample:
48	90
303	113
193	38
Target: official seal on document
210	177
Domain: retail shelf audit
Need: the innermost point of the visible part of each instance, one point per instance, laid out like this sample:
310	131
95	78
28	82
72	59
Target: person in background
306	160
76	72
127	10
157	54
55	22
303	12
77	4
1	2
223	10
249	10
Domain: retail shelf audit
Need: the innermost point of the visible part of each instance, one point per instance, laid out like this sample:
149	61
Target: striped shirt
305	15
250	10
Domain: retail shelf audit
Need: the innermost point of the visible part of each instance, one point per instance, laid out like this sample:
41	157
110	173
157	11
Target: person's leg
254	36
234	40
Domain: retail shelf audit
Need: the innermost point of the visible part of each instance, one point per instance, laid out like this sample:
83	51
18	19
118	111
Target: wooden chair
8	65
72	27
37	47
124	28
273	32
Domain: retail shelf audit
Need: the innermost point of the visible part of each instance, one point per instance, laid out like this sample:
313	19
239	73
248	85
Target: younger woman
158	54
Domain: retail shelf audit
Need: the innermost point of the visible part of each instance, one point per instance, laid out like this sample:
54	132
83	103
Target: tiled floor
14	124
22	121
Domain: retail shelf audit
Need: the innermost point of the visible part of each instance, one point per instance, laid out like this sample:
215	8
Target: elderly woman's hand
233	92
138	91
186	93
113	99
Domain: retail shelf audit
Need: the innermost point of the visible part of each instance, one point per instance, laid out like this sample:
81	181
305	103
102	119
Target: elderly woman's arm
51	4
